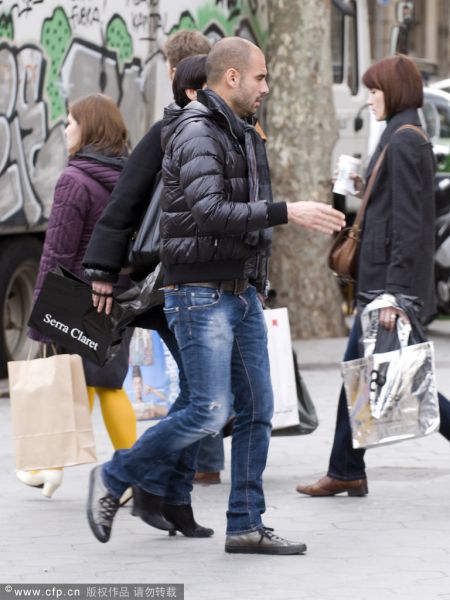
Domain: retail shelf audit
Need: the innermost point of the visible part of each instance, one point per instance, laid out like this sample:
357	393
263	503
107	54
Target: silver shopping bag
391	396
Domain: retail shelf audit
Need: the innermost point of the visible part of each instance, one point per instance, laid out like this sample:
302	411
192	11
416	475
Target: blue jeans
222	340
346	463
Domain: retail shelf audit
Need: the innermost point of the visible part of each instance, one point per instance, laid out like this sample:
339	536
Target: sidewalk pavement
392	545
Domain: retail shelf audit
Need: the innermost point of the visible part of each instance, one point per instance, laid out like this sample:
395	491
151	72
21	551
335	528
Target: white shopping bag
281	368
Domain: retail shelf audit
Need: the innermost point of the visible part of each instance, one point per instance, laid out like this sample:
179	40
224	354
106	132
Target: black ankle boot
183	519
149	508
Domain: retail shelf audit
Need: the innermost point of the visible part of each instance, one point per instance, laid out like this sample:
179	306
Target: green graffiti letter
55	38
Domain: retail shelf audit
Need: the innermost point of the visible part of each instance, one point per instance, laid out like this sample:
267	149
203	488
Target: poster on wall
152	378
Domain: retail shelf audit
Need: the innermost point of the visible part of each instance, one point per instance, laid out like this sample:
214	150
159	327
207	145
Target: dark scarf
255	153
104	156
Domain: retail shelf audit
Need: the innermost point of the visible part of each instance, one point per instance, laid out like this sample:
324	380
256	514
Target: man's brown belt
236	286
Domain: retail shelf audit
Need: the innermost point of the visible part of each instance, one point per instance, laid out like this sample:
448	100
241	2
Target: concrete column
384	19
431	27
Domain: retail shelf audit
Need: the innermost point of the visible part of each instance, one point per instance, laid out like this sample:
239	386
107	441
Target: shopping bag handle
60	270
42	345
402	331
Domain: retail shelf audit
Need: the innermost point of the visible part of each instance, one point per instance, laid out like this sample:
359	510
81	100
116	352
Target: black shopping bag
64	313
308	420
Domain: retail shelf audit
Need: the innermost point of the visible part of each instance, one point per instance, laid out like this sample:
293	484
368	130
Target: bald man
217	214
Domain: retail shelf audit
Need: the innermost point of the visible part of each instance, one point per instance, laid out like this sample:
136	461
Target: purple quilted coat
82	192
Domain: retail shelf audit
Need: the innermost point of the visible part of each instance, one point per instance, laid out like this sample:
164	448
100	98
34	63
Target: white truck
52	52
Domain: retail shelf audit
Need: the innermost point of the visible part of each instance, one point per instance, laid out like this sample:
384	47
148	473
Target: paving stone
393	544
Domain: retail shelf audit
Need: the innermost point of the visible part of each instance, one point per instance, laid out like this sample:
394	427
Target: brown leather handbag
343	254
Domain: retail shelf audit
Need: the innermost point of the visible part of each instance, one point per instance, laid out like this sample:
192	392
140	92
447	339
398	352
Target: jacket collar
410	116
224	114
175	117
102	171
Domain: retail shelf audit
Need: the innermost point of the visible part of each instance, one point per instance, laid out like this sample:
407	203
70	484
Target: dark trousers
178	470
346	463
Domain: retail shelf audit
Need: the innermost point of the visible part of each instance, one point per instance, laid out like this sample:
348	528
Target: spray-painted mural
52	52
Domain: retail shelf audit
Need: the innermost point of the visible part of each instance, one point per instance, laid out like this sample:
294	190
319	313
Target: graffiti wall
54	51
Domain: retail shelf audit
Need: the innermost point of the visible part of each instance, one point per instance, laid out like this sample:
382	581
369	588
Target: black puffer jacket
208	220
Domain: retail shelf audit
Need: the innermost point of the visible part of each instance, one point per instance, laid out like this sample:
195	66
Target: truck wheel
18	271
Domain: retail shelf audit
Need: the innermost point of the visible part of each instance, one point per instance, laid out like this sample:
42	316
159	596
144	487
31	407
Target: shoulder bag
143	249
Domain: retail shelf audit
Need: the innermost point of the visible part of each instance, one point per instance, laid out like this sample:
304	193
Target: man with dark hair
215	240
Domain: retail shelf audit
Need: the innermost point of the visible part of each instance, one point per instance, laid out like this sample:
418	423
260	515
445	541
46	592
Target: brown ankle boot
207	478
327	486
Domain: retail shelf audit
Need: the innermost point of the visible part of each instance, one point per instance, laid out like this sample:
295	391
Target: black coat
126	207
122	216
397	240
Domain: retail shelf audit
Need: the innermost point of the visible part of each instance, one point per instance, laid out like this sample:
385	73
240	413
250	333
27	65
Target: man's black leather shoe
262	541
101	506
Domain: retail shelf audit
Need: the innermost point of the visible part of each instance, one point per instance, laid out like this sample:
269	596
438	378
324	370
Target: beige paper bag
51	420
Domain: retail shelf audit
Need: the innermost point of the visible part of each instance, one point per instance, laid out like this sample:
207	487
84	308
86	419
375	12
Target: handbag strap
418	130
362	209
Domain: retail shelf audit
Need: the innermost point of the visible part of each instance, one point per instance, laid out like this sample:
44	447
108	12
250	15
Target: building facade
428	35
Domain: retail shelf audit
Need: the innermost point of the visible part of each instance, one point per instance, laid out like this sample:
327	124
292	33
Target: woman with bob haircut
190	76
396	249
96	139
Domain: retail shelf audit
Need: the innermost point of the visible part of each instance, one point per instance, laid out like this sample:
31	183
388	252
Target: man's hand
102	295
316	215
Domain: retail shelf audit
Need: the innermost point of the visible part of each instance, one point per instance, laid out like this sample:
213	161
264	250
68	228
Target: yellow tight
118	415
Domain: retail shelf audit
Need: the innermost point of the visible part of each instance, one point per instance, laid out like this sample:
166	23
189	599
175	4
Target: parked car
436	116
442	84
